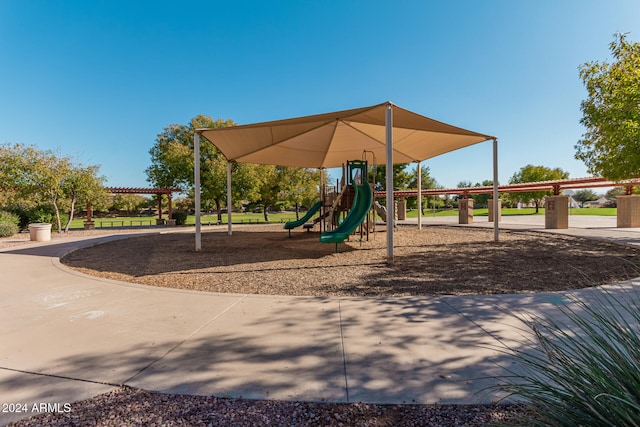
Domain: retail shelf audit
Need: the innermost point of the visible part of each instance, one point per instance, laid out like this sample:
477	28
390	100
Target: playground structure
325	140
343	208
359	209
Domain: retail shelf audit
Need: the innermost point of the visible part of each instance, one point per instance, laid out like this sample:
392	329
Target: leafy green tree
611	113
17	166
483	199
268	184
531	173
585	195
36	177
613	193
478	199
300	187
83	184
427	182
130	203
401	177
172	161
50	174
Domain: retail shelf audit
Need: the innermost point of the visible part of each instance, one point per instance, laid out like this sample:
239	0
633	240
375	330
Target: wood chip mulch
437	260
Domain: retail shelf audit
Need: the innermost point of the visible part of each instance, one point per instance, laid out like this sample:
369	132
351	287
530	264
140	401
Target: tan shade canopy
329	140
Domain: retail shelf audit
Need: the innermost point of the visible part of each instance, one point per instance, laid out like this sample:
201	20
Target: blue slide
361	205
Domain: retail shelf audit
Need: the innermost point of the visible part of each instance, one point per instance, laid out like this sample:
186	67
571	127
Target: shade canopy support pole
321	194
419	169
389	181
496	227
229	230
196	189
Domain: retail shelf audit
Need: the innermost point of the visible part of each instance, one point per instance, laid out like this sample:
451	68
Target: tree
612	195
401	178
17	165
531	173
478	199
83	184
611	113
172	161
463	184
34	177
130	203
50	173
300	187
583	196
269	182
483	199
427	182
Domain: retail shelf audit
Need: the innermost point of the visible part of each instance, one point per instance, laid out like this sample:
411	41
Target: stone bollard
491	210
556	212
628	211
401	206
465	211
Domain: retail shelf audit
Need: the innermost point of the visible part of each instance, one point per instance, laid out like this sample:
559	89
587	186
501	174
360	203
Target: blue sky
98	80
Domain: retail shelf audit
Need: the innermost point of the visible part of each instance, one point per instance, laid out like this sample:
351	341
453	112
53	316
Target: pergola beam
567	184
138	190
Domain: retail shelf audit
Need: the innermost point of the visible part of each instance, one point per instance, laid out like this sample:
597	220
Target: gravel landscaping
131	407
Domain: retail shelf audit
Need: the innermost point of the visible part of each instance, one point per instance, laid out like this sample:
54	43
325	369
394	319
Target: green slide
357	214
293	224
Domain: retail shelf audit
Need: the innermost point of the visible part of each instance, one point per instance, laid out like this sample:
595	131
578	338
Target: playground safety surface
437	260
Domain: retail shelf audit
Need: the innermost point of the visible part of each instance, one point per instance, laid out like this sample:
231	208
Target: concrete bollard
40	232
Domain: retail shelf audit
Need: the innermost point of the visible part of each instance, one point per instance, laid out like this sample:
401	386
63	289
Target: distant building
600	203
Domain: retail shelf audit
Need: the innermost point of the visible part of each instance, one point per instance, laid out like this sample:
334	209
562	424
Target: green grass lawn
594	211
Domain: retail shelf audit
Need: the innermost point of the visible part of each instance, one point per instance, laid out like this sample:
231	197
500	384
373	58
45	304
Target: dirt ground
437	260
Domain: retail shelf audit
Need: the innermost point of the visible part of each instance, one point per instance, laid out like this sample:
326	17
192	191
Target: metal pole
496	228
229	231
419	197
321	192
196	184
389	181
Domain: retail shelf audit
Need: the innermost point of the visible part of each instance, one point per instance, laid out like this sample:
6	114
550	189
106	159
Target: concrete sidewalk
65	337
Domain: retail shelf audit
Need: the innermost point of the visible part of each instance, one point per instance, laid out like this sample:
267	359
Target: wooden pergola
138	190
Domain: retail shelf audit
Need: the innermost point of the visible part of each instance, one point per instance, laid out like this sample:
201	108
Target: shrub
8	229
180	217
585	366
21	213
46	214
41	214
8	224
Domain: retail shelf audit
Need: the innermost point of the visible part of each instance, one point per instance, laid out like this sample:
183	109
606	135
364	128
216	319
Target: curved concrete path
65	337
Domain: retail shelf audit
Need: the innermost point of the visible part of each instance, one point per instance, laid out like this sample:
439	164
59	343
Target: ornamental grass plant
581	366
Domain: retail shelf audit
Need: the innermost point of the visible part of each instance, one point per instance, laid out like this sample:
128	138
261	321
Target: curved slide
357	214
293	224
